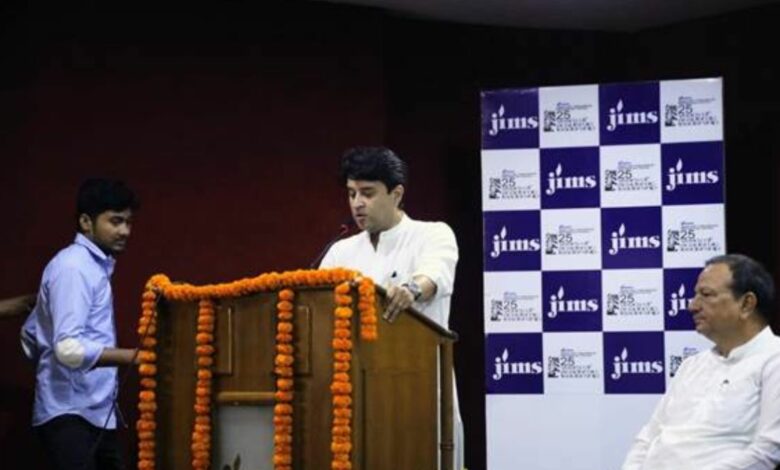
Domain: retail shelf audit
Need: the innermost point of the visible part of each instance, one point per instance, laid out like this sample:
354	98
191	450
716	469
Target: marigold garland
204	352
341	387
283	368
147	369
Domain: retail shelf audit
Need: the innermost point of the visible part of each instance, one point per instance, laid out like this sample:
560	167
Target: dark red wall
229	121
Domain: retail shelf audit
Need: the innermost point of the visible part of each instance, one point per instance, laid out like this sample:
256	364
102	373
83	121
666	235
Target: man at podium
414	260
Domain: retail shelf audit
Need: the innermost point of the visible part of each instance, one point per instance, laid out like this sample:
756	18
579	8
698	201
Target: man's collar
744	349
99	254
394	231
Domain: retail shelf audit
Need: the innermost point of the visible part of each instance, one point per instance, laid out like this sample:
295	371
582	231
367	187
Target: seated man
722	409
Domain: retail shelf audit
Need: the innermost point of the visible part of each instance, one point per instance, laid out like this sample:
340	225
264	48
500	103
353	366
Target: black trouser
70	439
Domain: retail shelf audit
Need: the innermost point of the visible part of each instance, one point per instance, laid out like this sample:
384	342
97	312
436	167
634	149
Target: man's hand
399	298
118	357
17	305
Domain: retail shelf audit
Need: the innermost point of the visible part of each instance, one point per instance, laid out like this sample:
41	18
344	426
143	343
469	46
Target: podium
402	383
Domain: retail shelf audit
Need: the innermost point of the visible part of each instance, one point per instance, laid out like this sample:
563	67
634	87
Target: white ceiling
601	15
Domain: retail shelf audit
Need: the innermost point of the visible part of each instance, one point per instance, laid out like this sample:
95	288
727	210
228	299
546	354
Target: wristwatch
414	288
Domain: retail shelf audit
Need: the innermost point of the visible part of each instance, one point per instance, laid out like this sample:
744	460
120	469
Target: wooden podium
398	412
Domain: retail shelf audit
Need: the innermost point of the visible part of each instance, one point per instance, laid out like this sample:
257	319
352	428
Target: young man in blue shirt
71	335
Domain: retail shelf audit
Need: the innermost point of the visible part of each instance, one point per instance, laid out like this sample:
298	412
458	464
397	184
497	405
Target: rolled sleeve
70	303
438	257
28	339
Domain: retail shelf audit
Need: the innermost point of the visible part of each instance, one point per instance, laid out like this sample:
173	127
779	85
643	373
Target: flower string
341	387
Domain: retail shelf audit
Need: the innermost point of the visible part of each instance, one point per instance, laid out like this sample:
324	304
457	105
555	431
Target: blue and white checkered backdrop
600	205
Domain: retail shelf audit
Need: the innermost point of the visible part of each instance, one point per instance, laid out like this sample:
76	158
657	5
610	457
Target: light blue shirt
74	305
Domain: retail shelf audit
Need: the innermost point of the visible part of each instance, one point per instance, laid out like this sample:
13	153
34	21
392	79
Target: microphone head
346	225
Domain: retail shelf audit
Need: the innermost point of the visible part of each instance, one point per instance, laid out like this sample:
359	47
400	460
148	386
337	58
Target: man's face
110	230
373	206
716	312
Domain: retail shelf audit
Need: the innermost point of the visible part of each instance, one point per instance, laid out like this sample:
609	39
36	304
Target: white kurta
409	249
720	413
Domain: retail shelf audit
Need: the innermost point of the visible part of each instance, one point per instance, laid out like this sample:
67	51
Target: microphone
343	230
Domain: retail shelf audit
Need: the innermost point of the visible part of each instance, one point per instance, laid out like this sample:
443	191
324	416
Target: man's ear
398	194
749	302
85	223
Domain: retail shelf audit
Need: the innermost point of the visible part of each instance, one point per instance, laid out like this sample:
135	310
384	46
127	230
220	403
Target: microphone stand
343	229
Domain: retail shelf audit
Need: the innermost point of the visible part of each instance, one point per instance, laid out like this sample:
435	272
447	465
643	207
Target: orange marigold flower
146	330
342	400
284	360
342	344
146	464
204	338
284	338
286	294
143	425
150	407
285	316
203	419
203	400
341	387
283	409
369	335
147	356
284	384
282	420
342	333
341	421
146	445
369	311
205	361
343	356
340	448
203	428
